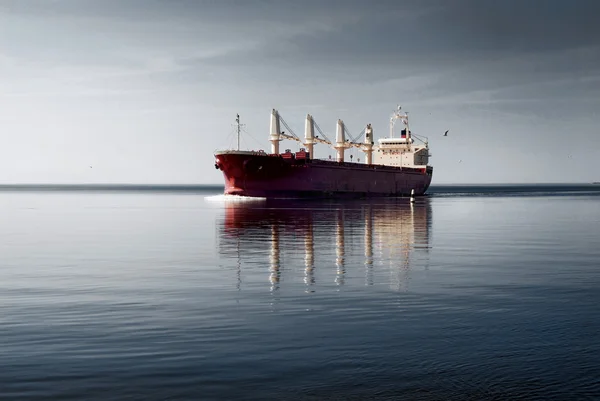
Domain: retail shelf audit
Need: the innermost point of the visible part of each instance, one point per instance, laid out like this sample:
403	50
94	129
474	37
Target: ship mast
404	118
238	128
237	125
397	115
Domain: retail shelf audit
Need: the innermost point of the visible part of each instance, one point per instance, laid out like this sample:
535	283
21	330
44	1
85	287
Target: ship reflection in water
326	243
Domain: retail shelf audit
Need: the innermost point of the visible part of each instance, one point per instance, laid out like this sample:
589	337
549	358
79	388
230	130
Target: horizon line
208	185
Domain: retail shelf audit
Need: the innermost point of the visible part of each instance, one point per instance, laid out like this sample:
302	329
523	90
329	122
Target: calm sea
173	293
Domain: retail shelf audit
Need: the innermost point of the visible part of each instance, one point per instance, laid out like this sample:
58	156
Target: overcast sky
144	91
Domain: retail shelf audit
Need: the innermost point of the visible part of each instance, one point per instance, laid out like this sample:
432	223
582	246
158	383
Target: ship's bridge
394	141
402	140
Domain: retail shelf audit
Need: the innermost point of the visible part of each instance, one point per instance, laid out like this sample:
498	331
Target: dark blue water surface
156	293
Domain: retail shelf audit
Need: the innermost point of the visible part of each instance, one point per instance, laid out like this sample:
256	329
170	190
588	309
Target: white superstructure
401	151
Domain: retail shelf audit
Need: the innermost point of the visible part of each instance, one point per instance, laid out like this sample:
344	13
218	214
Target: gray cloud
461	46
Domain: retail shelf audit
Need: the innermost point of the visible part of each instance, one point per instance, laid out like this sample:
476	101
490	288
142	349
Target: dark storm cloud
478	28
476	44
461	46
525	26
368	40
362	29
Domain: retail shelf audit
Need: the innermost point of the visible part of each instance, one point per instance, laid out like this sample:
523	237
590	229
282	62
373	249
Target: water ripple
171	295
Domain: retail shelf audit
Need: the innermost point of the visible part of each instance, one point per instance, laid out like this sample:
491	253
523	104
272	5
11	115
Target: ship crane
276	134
309	135
341	143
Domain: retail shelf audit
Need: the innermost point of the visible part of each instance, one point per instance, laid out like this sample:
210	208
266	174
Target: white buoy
412	196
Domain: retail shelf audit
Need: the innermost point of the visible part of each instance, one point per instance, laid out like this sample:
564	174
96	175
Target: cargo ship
397	166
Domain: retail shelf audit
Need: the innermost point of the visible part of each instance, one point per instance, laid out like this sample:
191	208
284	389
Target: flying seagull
446	133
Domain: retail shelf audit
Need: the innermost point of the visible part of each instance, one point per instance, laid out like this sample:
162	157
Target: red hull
284	176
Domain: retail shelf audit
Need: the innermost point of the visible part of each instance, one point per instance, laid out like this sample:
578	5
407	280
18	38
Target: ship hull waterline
273	176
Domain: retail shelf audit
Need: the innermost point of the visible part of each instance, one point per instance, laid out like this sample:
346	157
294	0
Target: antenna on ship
238	127
393	118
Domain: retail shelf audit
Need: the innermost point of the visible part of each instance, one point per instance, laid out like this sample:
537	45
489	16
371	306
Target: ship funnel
309	135
340	141
275	136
